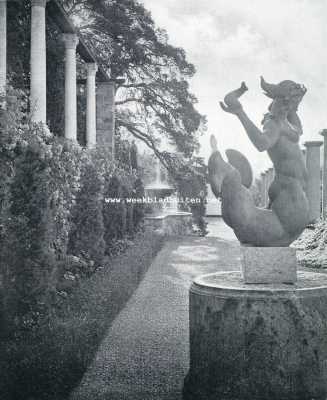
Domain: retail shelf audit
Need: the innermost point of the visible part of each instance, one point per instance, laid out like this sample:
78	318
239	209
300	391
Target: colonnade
38	69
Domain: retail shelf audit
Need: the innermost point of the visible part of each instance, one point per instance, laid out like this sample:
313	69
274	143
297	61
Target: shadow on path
145	354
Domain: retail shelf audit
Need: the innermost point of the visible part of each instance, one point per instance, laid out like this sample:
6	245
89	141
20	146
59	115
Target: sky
230	41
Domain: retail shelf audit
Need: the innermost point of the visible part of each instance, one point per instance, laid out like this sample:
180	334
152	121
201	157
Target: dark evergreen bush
87	234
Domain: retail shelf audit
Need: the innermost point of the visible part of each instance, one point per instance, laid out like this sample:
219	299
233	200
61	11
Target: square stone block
268	264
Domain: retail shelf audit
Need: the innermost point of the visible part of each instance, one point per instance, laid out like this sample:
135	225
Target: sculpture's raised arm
262	140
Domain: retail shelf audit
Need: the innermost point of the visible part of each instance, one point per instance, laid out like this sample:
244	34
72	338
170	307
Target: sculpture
288	211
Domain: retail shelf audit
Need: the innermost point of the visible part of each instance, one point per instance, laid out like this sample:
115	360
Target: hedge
56	232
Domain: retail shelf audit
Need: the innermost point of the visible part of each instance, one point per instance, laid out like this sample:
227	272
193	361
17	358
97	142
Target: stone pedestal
251	342
268	264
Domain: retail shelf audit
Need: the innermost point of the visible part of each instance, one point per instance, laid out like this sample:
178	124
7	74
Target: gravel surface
145	354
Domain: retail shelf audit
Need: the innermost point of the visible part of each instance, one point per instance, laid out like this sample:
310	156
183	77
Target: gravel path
145	354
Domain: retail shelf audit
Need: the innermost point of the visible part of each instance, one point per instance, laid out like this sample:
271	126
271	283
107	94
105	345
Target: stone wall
179	223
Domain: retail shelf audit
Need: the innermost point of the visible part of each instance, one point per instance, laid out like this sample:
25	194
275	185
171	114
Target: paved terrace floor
145	354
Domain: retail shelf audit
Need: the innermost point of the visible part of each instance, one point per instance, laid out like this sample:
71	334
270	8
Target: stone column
304	152
324	176
313	185
38	99
262	189
91	134
271	174
105	105
266	187
3	45
71	41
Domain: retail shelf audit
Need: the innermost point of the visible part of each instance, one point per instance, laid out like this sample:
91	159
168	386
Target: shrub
192	183
42	192
312	246
87	233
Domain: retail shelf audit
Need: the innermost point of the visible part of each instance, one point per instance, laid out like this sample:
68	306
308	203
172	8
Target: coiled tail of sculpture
230	181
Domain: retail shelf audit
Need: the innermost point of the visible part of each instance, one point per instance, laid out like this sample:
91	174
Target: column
105	107
313	184
3	45
262	189
324	176
266	188
38	99
71	41
304	152
91	134
271	174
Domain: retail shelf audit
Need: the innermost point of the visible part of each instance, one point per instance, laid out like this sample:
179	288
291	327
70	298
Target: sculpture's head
286	92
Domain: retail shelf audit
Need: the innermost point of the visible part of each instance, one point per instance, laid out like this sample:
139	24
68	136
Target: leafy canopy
154	102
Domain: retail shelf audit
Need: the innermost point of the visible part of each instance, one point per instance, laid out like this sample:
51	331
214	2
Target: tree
154	102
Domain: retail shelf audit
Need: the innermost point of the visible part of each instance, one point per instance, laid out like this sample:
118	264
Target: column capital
323	133
92	69
70	40
38	3
313	143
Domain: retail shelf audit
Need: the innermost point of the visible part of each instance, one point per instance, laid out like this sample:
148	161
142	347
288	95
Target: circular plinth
257	341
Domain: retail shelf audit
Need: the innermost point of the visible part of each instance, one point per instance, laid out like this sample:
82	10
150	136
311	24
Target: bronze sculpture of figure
288	212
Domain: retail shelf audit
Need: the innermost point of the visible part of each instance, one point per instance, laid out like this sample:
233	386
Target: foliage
52	196
146	168
86	236
53	236
192	187
42	193
18	36
154	102
312	246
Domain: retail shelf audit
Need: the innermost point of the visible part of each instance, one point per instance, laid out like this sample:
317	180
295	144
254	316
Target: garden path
145	353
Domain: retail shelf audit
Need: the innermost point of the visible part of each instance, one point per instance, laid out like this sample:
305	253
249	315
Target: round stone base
257	341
